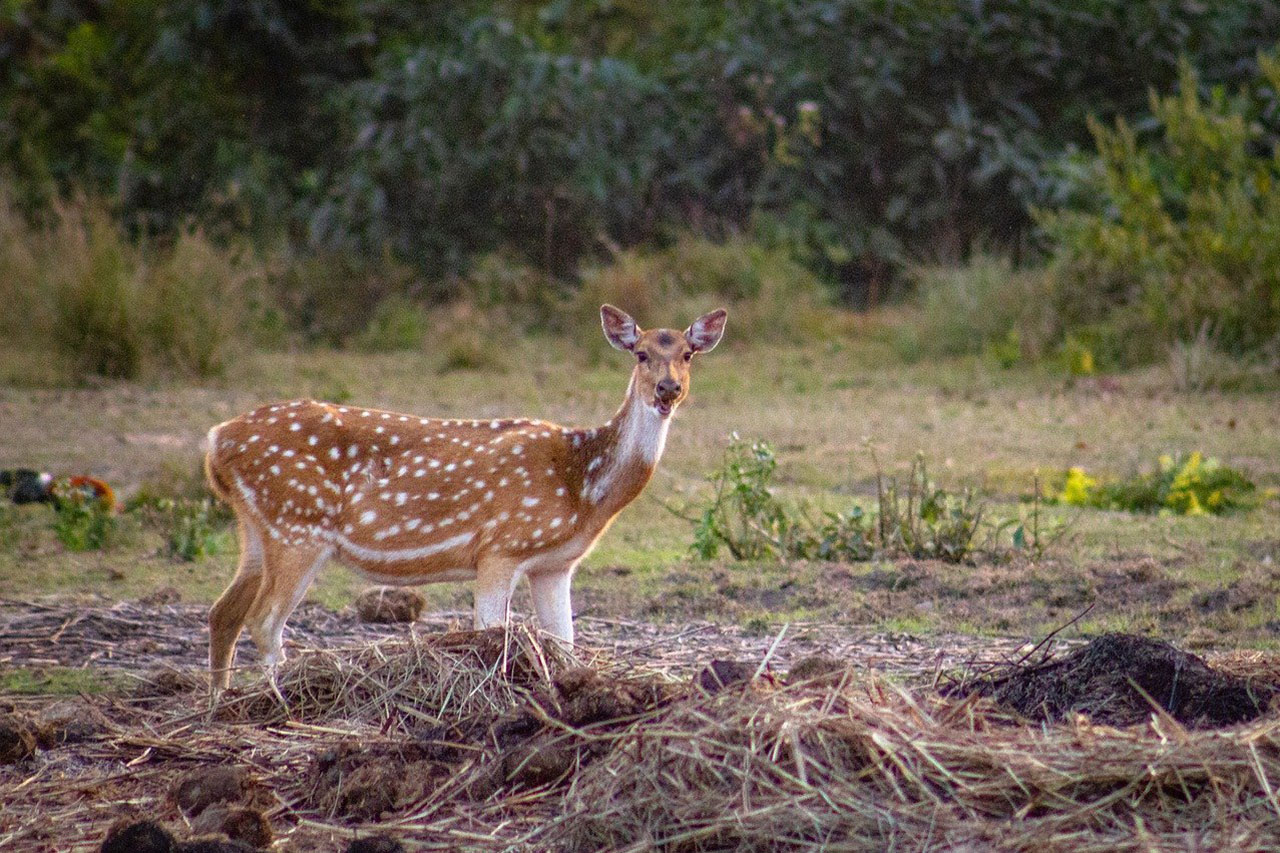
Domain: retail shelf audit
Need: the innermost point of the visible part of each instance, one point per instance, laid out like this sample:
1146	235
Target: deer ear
619	328
705	332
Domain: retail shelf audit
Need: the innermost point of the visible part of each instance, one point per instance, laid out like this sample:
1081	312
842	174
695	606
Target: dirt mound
1116	678
388	605
586	697
237	823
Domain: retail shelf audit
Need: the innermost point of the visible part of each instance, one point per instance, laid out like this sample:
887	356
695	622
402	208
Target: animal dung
389	605
238	823
204	787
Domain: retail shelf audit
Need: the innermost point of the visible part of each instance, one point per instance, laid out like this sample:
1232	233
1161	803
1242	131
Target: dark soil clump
18	738
207	786
375	844
721	674
360	783
390	605
817	670
237	823
1115	679
587	697
137	837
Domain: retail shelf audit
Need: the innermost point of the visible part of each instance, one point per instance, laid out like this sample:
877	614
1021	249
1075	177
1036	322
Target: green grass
824	406
57	681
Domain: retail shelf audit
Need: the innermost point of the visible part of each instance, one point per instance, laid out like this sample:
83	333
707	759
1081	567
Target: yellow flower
1077	488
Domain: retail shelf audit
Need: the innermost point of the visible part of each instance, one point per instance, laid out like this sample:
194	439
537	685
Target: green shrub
923	520
397	324
331	298
85	524
482	139
1190	485
743	516
1180	232
95	296
197	307
193	530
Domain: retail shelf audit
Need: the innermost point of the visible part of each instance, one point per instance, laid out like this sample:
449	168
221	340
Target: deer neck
619	457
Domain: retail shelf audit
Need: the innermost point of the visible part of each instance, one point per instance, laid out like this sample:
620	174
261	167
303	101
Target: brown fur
408	500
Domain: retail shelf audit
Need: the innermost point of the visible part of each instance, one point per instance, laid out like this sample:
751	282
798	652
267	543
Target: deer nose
668	390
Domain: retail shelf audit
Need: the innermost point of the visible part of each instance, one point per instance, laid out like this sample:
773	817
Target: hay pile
879	768
495	741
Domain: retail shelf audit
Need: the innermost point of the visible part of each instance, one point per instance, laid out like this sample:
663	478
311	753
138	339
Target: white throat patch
642	436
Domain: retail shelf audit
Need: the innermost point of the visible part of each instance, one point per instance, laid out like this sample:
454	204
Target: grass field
827	407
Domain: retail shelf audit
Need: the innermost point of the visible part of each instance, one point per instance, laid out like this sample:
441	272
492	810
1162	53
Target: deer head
663	356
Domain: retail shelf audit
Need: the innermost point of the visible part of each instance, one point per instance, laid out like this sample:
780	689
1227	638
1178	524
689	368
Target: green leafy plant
84	523
744	517
9	534
919	519
1175	230
193	528
1180	485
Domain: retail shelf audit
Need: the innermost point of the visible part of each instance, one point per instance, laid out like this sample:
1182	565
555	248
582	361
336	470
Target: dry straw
847	761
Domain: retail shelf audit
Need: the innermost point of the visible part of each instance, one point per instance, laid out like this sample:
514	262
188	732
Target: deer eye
642	357
688	356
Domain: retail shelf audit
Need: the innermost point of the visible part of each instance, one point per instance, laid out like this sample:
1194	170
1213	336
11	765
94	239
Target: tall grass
106	306
984	306
769	295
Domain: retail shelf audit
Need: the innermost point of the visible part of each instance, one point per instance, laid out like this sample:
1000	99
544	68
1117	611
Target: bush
867	133
1180	485
396	324
193	530
1183	233
85	524
484	140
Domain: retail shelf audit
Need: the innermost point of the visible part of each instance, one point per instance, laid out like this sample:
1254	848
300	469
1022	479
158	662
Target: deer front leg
551	601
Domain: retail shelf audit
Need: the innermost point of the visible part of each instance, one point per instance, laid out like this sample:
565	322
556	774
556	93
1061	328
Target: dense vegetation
373	151
854	131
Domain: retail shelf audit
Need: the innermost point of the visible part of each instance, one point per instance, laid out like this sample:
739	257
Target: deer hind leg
552	602
287	573
495	580
226	617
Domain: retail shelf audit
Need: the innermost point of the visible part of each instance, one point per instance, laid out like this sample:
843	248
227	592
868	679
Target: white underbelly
410	579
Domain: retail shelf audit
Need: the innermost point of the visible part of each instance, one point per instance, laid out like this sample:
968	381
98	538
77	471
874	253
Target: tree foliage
852	133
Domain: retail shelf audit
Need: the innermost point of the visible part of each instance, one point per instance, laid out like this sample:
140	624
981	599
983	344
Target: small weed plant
747	519
8	526
193	528
1180	485
922	520
744	517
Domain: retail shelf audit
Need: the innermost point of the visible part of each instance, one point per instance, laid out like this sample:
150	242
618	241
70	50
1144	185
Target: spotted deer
411	500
